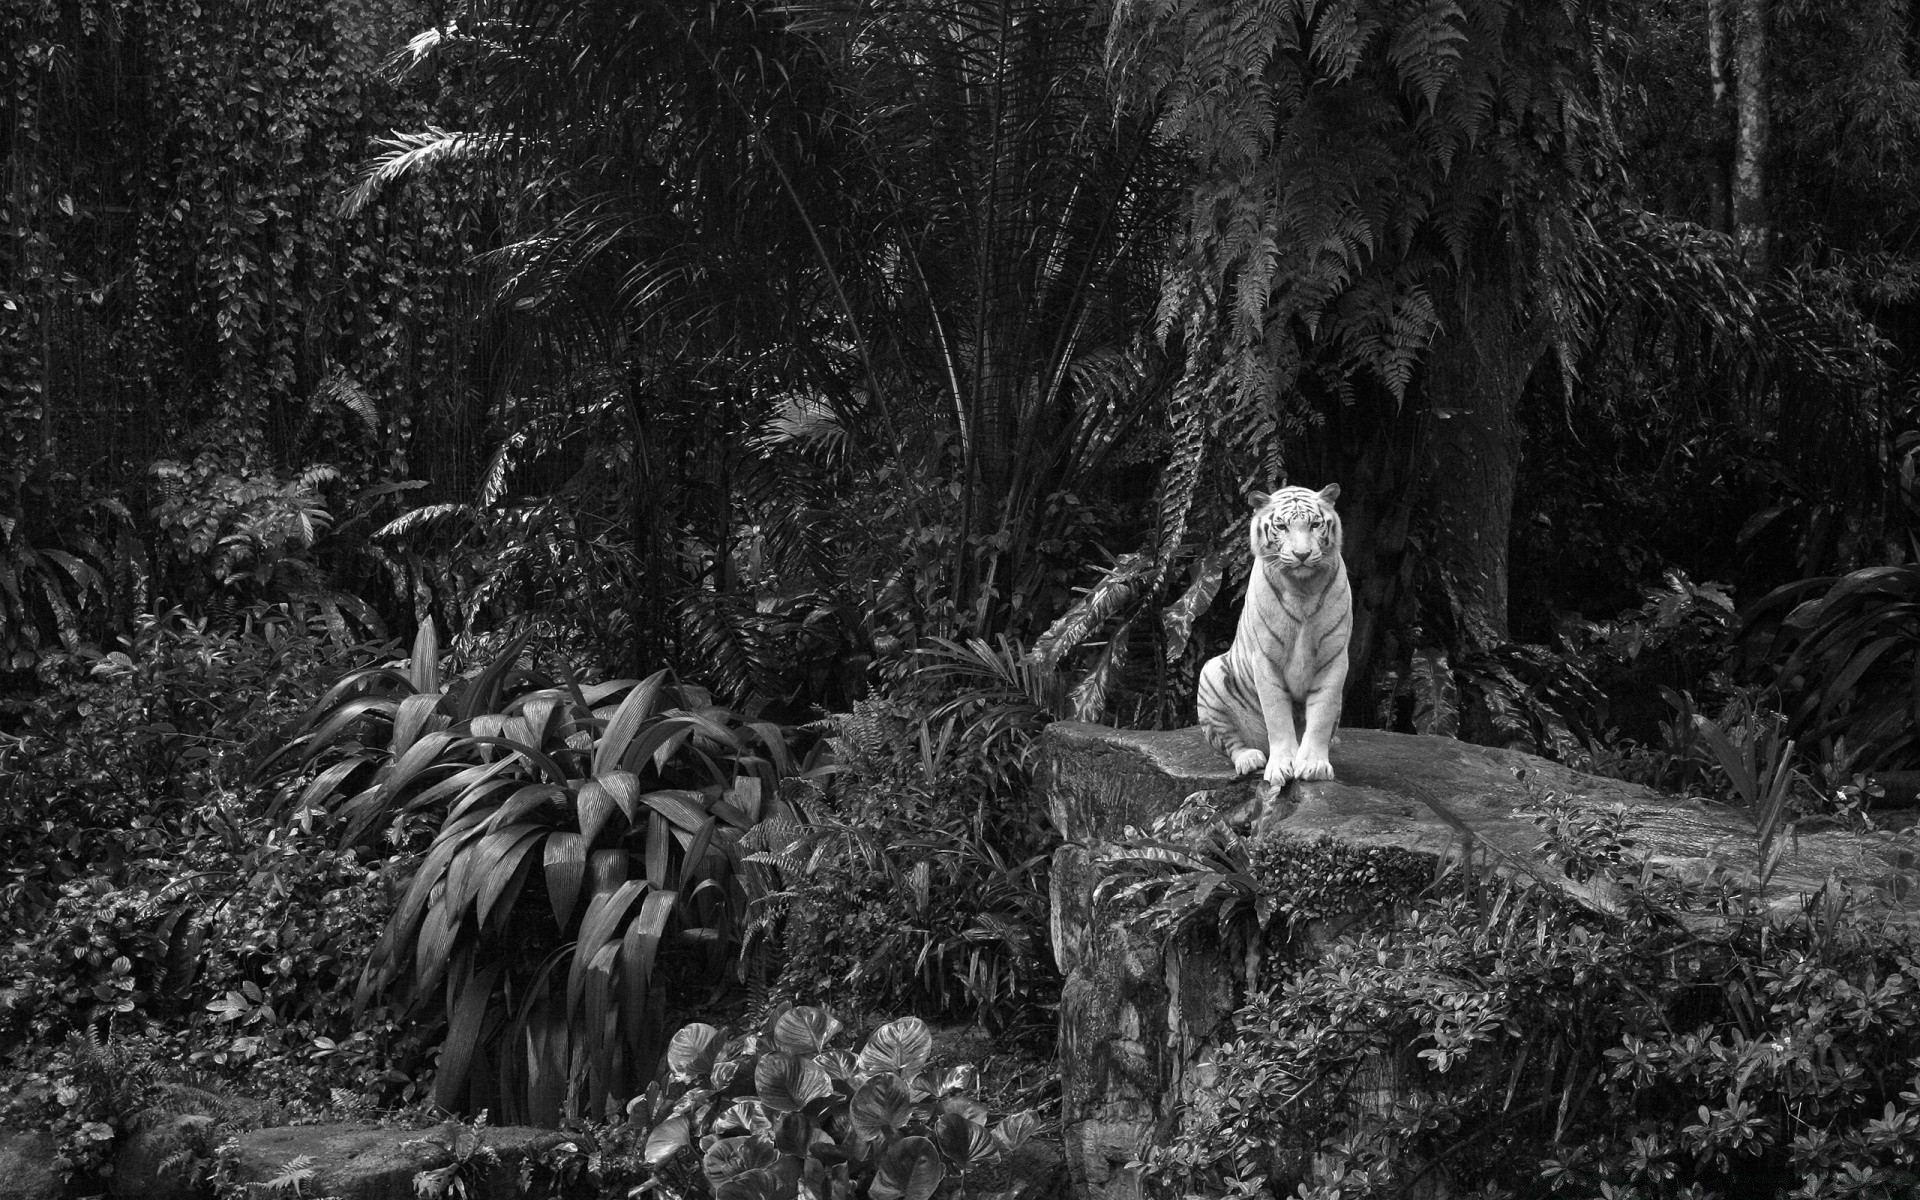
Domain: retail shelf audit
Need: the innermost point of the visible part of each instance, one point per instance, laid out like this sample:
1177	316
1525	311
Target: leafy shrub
282	931
52	567
87	1093
585	848
243	960
920	880
1189	873
778	1114
1844	653
1687	1043
102	953
235	536
149	746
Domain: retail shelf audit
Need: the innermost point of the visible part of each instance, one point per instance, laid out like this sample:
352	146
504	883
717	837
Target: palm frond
406	153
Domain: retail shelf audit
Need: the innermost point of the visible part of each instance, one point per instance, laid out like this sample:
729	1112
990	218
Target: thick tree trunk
1750	137
1474	380
1720	118
1373	449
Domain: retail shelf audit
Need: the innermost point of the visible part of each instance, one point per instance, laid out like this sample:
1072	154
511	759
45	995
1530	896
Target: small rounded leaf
1016	1130
668	1138
786	1082
805	1030
691	1053
840	1065
751	1116
902	1046
966	1143
879	1108
910	1170
733	1156
760	1183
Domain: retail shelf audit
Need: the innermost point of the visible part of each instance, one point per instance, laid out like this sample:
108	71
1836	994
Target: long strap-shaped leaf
605	912
482	695
329	729
626	722
424	671
463	1035
637	952
501	888
325	783
485	859
596	1026
566	864
411	719
405	922
458	782
530	753
528	800
594	805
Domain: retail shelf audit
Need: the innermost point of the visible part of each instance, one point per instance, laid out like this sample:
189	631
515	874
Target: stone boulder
168	1152
1136	1016
26	1165
373	1162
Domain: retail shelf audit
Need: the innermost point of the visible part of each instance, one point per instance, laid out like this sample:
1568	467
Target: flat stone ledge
1384	782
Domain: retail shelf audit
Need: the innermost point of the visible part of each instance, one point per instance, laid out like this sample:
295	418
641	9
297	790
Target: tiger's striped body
1291	644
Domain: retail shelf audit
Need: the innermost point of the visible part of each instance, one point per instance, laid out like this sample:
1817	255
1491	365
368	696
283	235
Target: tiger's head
1296	530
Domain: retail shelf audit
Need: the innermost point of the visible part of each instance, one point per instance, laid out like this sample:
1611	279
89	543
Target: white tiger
1291	644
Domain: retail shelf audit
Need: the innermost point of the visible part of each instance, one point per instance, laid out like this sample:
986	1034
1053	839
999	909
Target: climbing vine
178	272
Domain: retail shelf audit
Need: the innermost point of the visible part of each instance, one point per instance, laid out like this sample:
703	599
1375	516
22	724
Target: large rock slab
168	1152
26	1166
1135	1018
359	1161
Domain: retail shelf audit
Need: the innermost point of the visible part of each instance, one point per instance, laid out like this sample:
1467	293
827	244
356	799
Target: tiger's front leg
1311	759
1276	709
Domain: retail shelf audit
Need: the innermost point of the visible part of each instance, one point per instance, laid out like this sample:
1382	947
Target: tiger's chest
1297	631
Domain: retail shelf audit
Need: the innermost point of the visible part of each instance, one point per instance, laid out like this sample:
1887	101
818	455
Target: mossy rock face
361	1161
1136	1016
26	1165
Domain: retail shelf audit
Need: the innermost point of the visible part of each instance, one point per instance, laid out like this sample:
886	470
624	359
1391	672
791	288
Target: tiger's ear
1258	499
1330	493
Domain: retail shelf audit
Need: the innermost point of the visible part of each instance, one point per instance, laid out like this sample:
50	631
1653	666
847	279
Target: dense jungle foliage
530	525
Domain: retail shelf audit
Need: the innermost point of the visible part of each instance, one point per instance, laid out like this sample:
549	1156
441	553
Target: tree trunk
1720	118
1373	449
1474	380
1750	136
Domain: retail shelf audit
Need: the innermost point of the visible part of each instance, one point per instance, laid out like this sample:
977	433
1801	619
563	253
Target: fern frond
340	388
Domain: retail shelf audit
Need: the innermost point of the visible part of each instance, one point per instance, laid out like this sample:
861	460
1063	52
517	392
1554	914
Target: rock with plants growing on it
781	1114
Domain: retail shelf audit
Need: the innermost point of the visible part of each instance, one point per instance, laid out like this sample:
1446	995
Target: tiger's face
1297	530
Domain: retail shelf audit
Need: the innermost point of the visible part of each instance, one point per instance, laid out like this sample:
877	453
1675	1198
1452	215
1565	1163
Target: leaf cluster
149	744
1844	652
779	1114
578	830
919	879
1511	1040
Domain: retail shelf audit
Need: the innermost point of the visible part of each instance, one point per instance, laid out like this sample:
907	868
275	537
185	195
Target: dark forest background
775	345
458	460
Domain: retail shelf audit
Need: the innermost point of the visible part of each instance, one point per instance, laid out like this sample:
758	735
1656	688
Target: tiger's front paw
1249	760
1309	764
1279	770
